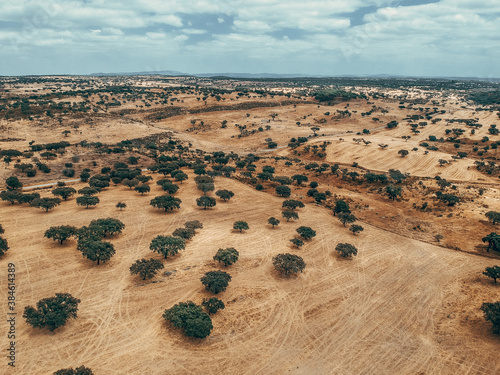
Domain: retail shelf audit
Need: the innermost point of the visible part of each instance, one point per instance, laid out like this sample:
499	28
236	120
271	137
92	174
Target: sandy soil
383	312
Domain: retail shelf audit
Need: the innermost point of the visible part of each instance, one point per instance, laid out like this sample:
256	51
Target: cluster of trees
4	246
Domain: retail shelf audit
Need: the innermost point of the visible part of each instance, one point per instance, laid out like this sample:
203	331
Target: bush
288	263
216	281
346	250
190	318
52	312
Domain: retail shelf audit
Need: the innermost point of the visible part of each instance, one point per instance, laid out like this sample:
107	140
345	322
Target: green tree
206	202
292	204
93	250
190	318
449	199
356	229
288	263
283	191
403	153
346	218
180	176
224	194
216	281
297	242
186	233
306	232
273	221
167	245
13	183
45	203
2	231
346	250
52	312
493	240
227	256
89	191
493	217
64	192
109	225
4	246
289	214
240	225
299	178
82	370
121	205
393	191
213	305
87	201
60	233
170	188
142	189
492	313
193	224
166	202
146	269
493	272
340	206
10	196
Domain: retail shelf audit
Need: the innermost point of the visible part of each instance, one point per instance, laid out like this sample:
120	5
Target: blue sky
327	37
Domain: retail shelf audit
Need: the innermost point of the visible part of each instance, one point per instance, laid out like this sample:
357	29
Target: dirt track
376	314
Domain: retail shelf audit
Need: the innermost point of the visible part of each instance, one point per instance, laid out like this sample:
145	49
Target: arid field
408	303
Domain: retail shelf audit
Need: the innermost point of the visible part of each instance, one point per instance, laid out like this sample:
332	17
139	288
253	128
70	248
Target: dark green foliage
60	233
493	240
180	176
142	189
64	192
167	245
146	269
216	281
493	217
52	312
166	202
292	204
45	203
87	190
341	206
190	318
306	232
109	225
96	250
10	196
492	313
283	180
297	242
4	246
2	231
273	221
346	250
403	153
289	214
299	178
224	194
68	172
87	201
206	202
121	205
288	263
186	233
193	224
319	197
170	188
240	225
84	176
393	191
356	229
213	305
95	233
335	95
227	256
82	370
13	183
346	218
493	272
397	176
449	199
283	191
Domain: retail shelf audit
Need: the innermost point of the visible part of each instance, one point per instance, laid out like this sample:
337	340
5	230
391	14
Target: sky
314	37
